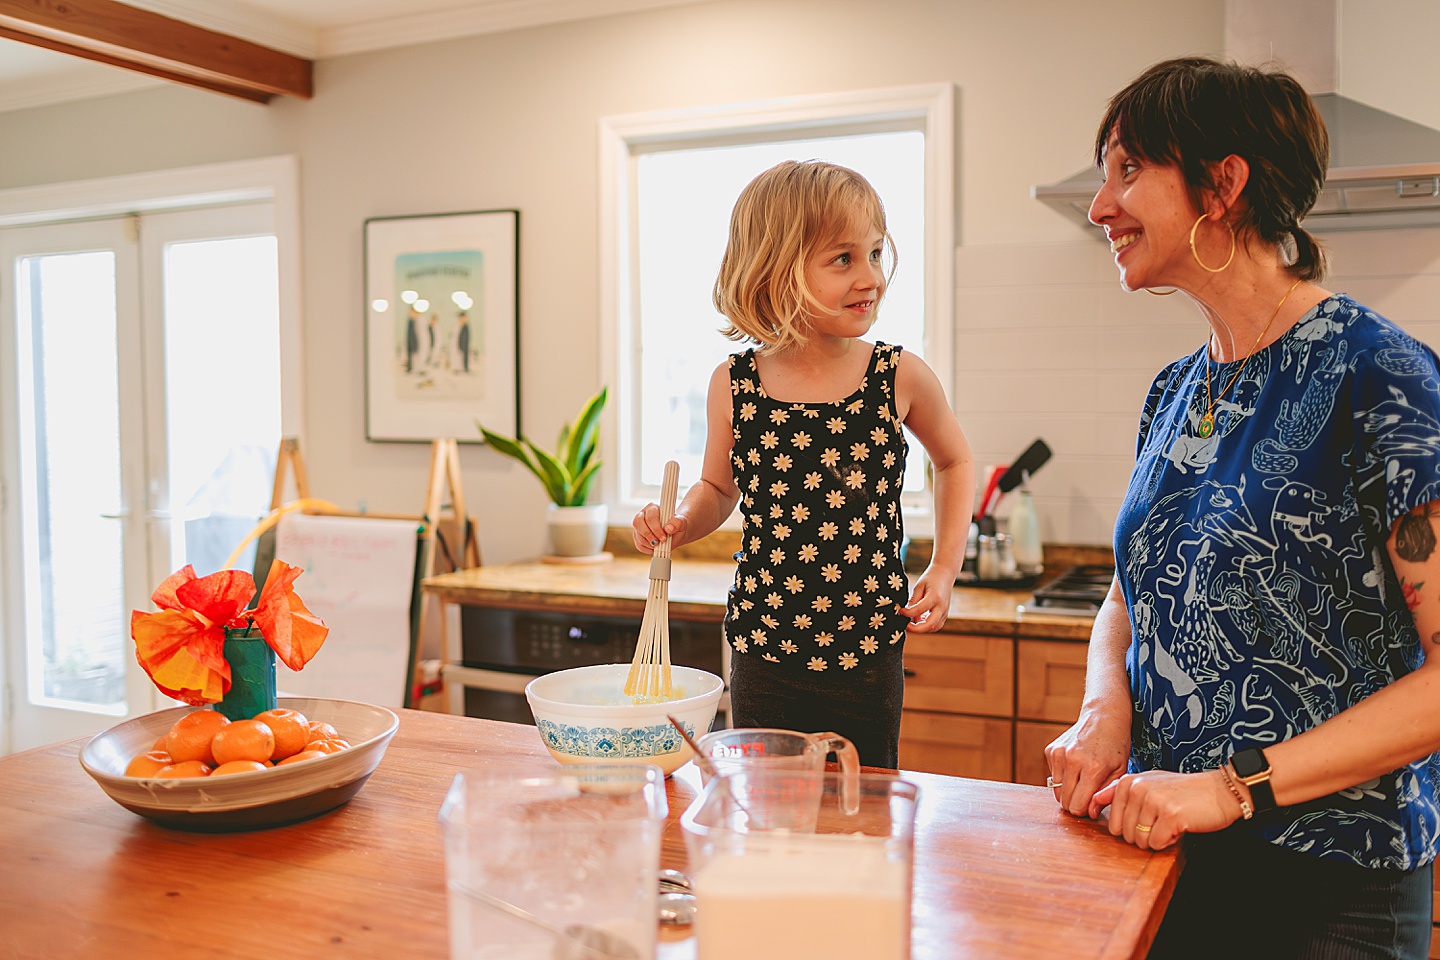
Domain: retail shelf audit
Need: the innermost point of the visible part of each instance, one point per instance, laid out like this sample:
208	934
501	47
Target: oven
505	648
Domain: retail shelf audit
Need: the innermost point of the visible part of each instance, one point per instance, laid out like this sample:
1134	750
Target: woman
1261	666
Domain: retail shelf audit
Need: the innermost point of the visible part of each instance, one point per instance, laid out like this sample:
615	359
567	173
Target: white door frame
273	179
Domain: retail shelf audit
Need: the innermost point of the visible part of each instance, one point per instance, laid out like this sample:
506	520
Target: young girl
804	432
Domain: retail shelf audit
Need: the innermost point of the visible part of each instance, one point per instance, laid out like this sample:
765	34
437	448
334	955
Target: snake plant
569	471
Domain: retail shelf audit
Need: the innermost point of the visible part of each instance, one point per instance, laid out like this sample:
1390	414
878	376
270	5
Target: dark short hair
1192	112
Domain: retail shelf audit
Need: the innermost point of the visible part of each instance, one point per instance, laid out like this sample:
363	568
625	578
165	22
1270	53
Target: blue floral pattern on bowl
612	741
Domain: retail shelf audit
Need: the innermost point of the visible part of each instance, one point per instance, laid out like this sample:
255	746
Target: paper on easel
359	577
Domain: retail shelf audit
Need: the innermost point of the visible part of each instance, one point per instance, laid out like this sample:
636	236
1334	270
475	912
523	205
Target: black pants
1241	897
863	707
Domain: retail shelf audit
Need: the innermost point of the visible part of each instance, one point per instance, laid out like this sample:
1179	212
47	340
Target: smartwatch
1252	769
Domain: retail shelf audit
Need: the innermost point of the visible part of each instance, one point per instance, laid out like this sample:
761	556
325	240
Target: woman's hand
1155	809
1088	756
648	531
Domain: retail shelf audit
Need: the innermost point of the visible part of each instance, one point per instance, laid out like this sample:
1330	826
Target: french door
139	419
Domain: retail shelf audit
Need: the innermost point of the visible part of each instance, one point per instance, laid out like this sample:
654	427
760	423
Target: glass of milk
837	891
577	844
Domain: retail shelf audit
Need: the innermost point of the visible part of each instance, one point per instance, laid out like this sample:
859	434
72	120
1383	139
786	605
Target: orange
185	768
301	756
320	730
243	740
238	766
148	764
291	729
328	745
189	738
159	744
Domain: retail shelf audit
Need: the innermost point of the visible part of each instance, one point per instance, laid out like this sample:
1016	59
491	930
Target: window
668	186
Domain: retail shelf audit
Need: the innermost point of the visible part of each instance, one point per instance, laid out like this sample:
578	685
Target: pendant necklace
1206	427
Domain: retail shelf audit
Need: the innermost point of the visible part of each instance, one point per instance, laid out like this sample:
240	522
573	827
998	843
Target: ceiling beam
154	44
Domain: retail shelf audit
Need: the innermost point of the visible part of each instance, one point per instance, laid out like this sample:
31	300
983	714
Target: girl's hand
1155	809
1088	756
929	603
648	531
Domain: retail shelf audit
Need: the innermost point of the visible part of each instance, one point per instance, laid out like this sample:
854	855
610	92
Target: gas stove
1078	592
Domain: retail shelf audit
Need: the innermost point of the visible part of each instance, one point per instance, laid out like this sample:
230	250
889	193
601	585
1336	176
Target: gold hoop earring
1196	255
1162	293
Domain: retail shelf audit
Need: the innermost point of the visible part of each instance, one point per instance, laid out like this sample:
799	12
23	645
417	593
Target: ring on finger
1052	783
1144	827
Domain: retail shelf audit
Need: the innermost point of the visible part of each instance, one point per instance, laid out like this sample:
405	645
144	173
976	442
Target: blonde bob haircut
780	219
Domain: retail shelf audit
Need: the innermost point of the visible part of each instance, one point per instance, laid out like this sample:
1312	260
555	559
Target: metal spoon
577	941
677	909
674	880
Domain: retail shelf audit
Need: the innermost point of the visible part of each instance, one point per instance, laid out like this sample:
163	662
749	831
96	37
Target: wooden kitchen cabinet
1049	680
960	673
1031	739
986	705
974	747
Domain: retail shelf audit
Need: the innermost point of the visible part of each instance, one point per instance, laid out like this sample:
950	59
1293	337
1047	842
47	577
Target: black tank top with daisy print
819	573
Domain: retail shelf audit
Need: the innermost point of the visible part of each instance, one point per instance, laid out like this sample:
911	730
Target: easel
444	472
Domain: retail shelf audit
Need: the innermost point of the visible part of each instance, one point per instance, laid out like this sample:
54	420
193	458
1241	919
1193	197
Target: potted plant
577	528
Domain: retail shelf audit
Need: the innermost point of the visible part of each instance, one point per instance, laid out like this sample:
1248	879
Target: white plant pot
577	531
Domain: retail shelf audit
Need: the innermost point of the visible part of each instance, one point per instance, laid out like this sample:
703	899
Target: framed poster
442	323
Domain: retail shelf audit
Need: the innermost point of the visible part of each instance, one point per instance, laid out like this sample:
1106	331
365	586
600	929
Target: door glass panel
222	368
75	626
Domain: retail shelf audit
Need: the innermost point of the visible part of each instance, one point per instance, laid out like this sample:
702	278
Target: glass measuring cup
767	748
780	870
540	861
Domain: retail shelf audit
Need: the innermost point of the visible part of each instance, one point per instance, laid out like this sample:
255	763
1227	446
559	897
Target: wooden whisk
649	678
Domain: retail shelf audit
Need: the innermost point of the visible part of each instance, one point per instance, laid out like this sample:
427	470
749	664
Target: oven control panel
539	641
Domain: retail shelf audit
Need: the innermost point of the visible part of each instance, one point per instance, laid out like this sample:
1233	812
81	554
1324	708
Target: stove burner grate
1080	589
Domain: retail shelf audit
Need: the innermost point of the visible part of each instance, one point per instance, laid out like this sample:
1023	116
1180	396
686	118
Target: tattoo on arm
1414	537
1412	593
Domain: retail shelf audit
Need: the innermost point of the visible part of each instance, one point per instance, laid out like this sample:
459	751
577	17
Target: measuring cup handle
849	760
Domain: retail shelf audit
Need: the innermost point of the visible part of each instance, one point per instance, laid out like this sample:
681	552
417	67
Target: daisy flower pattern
821	526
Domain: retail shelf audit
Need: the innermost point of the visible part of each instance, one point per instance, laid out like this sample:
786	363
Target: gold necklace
1207	423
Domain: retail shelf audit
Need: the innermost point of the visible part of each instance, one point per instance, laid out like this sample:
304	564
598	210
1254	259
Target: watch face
1248	763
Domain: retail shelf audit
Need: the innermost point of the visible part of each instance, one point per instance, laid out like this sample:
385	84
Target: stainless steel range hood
1384	172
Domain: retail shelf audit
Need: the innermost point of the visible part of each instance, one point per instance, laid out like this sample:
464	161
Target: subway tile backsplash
1048	345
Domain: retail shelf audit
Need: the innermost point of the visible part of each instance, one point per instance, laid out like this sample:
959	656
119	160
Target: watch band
1252	769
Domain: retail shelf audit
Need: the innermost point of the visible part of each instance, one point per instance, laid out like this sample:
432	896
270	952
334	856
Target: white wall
1046	343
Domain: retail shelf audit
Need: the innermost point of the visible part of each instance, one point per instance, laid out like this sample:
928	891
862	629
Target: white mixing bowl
584	715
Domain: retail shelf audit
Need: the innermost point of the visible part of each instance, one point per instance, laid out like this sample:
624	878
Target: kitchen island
999	870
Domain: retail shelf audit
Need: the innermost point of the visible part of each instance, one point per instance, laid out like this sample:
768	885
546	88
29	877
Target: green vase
252	675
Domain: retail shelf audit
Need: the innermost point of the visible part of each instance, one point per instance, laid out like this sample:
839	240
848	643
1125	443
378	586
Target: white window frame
928	108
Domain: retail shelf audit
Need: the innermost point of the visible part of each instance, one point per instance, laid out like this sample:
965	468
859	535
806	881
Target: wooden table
999	871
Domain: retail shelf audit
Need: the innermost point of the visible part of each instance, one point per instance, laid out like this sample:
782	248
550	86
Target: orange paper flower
182	645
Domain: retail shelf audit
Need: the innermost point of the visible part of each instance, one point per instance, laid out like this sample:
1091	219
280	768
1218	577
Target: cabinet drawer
959	673
1050	680
1031	739
957	746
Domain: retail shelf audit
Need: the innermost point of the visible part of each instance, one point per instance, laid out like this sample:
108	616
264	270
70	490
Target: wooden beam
150	43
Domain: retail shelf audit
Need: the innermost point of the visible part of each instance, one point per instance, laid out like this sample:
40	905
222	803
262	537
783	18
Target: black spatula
1028	462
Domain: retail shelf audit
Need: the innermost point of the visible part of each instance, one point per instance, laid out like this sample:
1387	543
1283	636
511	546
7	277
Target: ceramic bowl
243	801
584	715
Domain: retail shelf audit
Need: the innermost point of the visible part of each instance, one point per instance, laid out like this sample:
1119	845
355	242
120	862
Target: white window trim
620	135
273	179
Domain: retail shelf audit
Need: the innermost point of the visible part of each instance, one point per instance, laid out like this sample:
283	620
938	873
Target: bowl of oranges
193	769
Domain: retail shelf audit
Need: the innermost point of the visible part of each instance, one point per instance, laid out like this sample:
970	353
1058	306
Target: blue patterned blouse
1262	601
